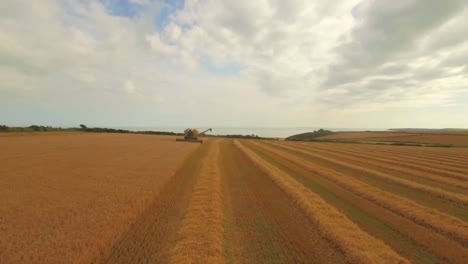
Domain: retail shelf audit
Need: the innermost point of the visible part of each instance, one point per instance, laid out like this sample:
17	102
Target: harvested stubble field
81	198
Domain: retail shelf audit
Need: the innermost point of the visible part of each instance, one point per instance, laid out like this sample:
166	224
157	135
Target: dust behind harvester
192	134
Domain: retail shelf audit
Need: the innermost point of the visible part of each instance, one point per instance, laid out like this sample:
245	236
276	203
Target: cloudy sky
262	63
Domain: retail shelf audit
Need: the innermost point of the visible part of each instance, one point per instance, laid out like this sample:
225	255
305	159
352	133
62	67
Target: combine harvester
192	134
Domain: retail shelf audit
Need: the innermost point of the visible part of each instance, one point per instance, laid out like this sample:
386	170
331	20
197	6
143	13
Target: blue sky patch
122	8
222	70
126	8
170	7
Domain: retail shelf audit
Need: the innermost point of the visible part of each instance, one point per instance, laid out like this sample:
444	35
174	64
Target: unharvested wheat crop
89	198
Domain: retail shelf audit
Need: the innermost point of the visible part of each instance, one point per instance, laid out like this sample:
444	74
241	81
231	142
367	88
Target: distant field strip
445	224
459	139
201	235
454	139
358	246
450	155
362	135
438	160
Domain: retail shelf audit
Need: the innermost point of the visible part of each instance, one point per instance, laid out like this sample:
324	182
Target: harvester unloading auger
192	134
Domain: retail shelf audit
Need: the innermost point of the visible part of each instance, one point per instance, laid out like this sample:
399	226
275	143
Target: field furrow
419	191
378	179
452	156
408	158
262	224
153	235
413	241
445	224
432	169
357	245
455	184
434	160
201	235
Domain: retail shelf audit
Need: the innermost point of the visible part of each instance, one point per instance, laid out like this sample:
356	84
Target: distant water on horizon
280	132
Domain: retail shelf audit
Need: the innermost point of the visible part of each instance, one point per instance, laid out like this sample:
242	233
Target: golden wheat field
122	198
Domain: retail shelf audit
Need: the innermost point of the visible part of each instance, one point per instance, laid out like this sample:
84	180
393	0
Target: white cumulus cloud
260	63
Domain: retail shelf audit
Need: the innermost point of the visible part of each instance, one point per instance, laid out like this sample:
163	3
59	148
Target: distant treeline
310	135
124	131
112	130
34	128
84	128
159	133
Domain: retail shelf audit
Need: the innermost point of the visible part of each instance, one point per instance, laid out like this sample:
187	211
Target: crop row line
430	218
357	245
457	198
201	234
422	153
406	161
434	158
382	163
